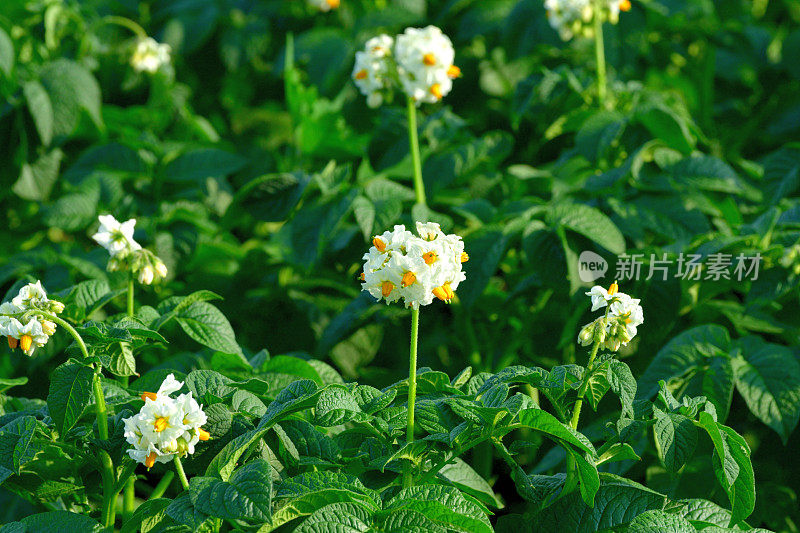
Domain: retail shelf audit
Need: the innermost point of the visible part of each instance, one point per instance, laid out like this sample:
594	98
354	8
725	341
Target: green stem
576	414
600	52
109	509
163	485
413	141
64	324
130	294
408	476
181	473
125	23
129	494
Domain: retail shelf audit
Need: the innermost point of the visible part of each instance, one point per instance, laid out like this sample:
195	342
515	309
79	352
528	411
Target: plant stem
413	141
109	509
64	324
408	477
600	52
129	494
130	294
576	414
181	473
163	485
100	405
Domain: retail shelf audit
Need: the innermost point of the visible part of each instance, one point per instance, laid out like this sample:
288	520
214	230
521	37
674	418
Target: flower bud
160	268
48	327
56	307
146	275
586	334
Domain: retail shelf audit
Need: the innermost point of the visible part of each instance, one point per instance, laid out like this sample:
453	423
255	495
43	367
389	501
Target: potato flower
150	55
325	5
573	17
23	320
419	63
126	253
165	427
414	268
620	322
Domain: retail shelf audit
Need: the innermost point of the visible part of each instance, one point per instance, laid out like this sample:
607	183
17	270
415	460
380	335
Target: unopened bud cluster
24	320
418	62
126	254
325	5
618	325
150	55
414	268
165	427
574	17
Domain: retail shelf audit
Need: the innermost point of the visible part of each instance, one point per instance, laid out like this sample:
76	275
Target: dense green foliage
258	174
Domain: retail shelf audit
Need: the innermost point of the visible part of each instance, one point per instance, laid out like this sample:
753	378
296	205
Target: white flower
28	336
627	311
425	66
600	296
574	17
324	5
620	322
165	427
146	275
116	237
415	269
31	295
160	268
372	72
150	55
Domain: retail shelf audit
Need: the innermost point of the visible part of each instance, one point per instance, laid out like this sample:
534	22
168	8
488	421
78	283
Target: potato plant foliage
219	362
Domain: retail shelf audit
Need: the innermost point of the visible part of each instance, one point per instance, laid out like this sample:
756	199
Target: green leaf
467	480
709	173
36	180
344	517
768	378
207	384
58	522
596	386
589	222
665	124
7	383
70	394
207	325
682	354
676	438
445	506
336	405
197	165
660	522
271	198
485	248
248	494
40	108
617	502
598	132
72	89
544	422
6	52
732	467
297	396
225	461
589	478
718	384
123	363
703	513
618	452
144	512
623	384
16	443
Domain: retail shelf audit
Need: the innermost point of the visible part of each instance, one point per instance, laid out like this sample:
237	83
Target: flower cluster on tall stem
125	253
27	320
417	269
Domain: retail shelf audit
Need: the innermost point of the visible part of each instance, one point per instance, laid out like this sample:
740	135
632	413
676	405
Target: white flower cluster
419	62
126	253
21	319
574	17
150	55
416	269
325	5
165	427
620	322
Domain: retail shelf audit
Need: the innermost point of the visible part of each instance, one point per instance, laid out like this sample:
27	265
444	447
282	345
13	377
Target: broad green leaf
539	420
7	383
589	222
206	384
6	52
70	394
596	386
207	325
445	506
36	180
225	461
247	495
768	378
40	108
676	439
72	90
622	382
306	444
337	405
485	248
299	395
617	452
598	132
344	517
271	198
202	163
16	443
718	384
145	512
687	351
59	522
703	513
589	478
464	478
709	173
656	521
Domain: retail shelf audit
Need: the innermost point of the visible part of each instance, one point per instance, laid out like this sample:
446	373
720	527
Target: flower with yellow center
425	66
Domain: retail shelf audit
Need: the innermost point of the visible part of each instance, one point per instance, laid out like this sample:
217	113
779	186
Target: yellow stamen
161	424
361	74
436	90
408	279
150	460
151	395
625	5
25	342
386	288
464	257
429	60
430	258
362	277
202	434
333	3
453	72
13	342
444	293
613	289
378	243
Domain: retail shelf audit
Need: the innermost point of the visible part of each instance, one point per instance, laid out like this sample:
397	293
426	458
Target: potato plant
399	265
